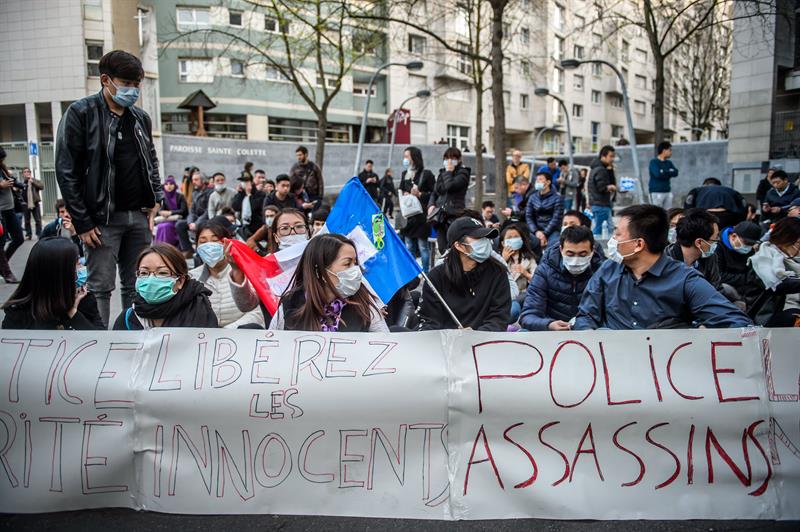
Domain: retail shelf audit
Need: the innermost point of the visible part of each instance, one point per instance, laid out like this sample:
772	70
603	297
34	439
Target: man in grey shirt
221	197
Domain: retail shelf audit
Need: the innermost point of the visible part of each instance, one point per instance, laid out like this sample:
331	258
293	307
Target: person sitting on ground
281	197
574	218
697	239
777	265
62	227
221	197
554	293
258	240
642	288
780	197
326	292
52	294
173	208
249	204
474	285
725	203
289	228
738	245
515	243
674	214
198	212
214	273
544	211
165	294
318	219
490	219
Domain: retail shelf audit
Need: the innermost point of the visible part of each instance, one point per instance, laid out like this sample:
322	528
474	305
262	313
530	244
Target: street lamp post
542	91
412	65
575	63
424	93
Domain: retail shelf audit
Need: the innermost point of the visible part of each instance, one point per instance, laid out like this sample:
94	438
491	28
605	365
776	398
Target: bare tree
701	80
669	25
312	44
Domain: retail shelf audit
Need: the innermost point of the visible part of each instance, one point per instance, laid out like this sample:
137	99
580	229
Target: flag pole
435	291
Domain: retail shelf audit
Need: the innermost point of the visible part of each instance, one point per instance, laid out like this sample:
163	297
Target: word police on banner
451	424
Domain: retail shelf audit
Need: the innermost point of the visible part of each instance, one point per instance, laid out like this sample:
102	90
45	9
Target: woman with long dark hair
417	181
52	294
289	227
448	200
517	251
472	283
173	208
326	292
165	294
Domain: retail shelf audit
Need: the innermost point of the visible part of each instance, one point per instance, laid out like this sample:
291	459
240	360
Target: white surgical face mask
743	249
613	253
268	221
712	246
672	235
513	243
349	281
576	265
288	241
481	250
219	188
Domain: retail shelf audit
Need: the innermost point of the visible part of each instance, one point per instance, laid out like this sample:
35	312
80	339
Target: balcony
611	84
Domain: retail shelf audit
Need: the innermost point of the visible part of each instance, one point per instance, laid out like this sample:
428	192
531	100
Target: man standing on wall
107	169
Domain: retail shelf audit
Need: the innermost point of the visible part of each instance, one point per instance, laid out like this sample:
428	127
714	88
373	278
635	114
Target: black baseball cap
749	232
466	226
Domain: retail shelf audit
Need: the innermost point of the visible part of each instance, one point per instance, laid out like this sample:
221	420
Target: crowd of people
556	257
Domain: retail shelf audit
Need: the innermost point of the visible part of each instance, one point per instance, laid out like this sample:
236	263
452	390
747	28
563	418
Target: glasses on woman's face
161	273
286	229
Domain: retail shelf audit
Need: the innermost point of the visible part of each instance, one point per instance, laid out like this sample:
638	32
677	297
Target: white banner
439	425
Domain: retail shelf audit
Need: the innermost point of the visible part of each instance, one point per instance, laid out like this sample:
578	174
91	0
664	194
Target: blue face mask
406	164
481	250
513	243
538	186
156	290
82	276
211	253
125	96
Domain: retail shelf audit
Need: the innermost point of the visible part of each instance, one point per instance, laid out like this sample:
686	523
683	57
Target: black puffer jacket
84	156
599	179
450	191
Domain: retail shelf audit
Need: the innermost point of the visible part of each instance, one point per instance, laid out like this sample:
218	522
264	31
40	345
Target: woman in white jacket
215	275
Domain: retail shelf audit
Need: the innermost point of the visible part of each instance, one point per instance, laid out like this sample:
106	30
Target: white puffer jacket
228	314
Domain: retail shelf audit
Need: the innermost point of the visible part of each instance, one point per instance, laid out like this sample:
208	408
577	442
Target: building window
235	18
524	102
458	136
616	101
360	89
577	82
577	51
220	125
595	136
195	70
558	17
93	9
94	51
237	68
464	63
558	80
597	70
626	49
271	25
416	44
273	74
640	107
193	18
330	82
291	130
580	22
641	82
526	4
507	99
596	97
525	66
616	131
558	117
597	41
577	111
641	55
558	50
525	36
365	44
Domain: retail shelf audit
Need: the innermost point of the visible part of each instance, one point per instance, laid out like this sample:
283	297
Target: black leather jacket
84	157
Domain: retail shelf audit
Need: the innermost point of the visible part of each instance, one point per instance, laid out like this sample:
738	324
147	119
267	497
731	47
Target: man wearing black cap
736	246
474	285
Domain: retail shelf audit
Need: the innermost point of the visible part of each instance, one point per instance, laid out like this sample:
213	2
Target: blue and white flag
387	264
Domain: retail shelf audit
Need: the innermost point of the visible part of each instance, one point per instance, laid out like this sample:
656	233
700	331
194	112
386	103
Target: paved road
122	520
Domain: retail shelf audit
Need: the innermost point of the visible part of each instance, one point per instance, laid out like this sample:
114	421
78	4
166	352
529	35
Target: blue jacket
660	174
544	168
544	213
554	293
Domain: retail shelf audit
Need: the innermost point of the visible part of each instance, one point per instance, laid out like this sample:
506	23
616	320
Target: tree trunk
322	128
498	103
658	117
479	146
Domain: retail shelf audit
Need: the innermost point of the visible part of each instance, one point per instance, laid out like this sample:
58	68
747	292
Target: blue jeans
419	246
516	310
602	214
568	204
